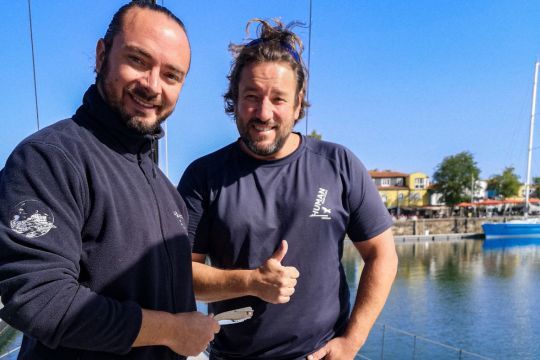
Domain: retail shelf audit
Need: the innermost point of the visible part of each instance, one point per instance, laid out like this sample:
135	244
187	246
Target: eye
250	97
173	78
136	60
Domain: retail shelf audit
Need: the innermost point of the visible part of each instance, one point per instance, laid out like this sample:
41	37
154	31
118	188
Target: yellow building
399	190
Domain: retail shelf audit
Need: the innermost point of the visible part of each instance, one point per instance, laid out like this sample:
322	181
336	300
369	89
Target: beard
136	122
133	121
254	144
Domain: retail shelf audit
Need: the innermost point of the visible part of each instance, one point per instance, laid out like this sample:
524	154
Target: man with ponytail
271	212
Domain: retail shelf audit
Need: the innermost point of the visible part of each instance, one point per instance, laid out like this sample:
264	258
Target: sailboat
526	227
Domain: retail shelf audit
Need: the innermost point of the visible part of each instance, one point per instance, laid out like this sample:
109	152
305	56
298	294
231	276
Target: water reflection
469	294
9	340
511	243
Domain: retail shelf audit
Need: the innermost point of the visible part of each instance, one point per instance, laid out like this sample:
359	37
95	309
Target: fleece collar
106	123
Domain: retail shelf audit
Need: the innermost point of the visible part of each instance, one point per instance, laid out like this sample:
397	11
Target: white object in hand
234	316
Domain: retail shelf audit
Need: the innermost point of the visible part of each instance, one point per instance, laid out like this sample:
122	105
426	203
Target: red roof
381	187
490	202
386	174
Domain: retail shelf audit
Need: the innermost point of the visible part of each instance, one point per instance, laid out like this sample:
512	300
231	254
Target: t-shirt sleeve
193	190
368	215
42	214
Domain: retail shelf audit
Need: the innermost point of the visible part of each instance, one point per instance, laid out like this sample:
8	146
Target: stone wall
443	226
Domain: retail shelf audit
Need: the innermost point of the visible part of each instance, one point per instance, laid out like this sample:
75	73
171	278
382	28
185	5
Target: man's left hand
339	348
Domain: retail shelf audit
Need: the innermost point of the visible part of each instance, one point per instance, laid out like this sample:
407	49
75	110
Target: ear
100	54
298	105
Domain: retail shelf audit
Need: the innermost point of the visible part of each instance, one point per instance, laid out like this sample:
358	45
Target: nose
153	81
264	110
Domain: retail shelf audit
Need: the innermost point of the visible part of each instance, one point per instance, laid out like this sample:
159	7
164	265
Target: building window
414	197
385	182
419	183
399	182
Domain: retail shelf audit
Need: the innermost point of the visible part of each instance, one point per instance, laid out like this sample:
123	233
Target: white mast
531	136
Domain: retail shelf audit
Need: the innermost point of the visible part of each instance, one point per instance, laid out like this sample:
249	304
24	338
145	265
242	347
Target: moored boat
527	227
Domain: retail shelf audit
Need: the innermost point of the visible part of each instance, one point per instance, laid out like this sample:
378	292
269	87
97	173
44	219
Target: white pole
531	136
472	188
166	149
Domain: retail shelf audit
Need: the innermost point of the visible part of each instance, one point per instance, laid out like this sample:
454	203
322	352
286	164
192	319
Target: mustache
146	95
257	121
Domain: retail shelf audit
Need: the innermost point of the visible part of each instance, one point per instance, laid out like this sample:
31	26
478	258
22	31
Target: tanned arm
184	333
272	282
380	258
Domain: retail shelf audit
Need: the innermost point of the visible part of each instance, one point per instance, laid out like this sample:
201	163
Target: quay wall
454	225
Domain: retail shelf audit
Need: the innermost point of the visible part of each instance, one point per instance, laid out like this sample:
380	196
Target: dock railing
387	342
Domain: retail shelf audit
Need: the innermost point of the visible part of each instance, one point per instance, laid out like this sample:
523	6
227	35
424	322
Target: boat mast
531	136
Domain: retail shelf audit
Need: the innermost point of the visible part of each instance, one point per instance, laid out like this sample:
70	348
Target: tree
506	185
315	134
455	176
536	186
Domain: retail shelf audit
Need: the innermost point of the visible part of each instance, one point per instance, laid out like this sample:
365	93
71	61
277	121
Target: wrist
165	330
155	328
252	280
354	340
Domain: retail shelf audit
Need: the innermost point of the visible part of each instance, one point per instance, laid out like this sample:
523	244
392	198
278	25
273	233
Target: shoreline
403	239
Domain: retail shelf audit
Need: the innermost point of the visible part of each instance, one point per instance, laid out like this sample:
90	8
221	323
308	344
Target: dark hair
117	21
273	44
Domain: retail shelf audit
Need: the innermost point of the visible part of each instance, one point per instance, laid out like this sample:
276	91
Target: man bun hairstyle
273	43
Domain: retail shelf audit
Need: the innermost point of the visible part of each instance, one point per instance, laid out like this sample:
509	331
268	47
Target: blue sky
401	83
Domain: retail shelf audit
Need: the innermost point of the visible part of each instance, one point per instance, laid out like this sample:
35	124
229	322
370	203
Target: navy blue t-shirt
240	209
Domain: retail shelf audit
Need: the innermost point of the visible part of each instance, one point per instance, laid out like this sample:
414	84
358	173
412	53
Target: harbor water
450	300
475	295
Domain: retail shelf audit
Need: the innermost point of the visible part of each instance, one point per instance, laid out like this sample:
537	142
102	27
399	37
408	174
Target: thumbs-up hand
273	282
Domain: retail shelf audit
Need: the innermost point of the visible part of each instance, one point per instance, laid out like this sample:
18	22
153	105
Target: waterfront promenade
400	239
458	226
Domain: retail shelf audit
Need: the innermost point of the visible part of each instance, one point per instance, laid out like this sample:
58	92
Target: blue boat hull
511	230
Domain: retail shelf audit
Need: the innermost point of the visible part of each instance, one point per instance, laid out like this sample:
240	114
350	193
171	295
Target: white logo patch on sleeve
180	219
31	218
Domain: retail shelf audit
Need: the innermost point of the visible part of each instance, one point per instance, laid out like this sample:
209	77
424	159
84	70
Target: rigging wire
308	63
166	139
33	62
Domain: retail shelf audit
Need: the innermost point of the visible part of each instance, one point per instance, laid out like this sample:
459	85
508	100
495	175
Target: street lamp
399	199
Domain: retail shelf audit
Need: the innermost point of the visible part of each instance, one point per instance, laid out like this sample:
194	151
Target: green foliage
506	185
454	177
536	186
315	134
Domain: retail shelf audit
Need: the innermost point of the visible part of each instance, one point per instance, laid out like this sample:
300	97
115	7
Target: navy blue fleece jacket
91	231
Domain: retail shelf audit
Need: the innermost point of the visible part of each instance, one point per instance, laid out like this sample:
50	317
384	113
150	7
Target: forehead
268	76
157	34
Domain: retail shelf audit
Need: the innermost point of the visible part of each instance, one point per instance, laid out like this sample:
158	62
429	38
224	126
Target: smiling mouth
263	128
143	103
